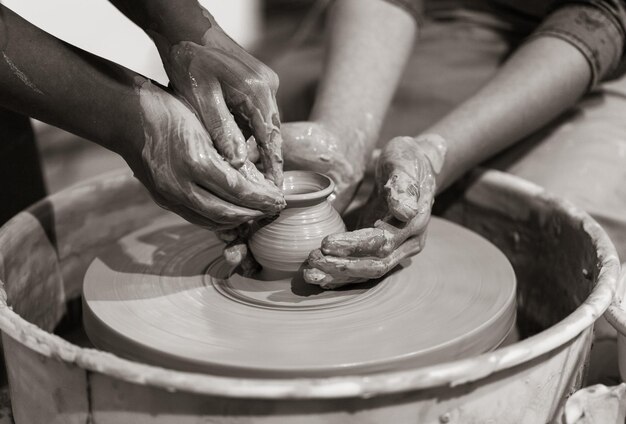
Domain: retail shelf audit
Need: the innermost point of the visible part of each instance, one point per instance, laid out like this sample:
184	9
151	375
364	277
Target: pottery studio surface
565	267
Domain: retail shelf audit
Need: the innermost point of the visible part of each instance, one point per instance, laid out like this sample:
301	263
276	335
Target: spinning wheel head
163	295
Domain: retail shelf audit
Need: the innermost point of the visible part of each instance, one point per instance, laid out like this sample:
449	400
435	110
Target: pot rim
450	374
325	184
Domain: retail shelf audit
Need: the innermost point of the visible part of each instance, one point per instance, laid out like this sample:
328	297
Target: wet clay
596	404
317	147
187	173
225	84
394	221
21	75
164	295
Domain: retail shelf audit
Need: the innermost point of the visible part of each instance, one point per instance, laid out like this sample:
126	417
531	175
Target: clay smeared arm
159	136
226	86
48	79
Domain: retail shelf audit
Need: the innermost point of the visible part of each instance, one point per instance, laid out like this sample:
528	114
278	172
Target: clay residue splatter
21	75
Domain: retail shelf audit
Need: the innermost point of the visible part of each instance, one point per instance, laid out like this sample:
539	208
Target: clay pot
286	243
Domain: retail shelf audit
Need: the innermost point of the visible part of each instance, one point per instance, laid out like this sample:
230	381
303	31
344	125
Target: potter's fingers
327	281
408	175
363	242
257	106
238	255
402	194
235	186
220	123
366	268
253	150
228	235
397	232
235	252
254	176
218	210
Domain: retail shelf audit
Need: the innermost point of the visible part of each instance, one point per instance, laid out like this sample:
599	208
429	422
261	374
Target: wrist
129	139
172	23
354	141
434	147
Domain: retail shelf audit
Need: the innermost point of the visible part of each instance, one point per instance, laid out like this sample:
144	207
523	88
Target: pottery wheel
163	295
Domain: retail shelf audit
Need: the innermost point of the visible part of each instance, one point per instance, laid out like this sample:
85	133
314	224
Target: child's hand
394	219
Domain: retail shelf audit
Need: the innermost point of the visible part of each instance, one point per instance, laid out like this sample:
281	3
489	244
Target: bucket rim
453	373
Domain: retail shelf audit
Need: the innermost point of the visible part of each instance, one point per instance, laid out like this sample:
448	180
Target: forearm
541	80
43	77
169	22
369	43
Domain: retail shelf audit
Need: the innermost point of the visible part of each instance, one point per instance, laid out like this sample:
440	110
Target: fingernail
315	276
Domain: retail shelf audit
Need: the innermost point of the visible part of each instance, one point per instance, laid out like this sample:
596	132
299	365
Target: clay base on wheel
163	295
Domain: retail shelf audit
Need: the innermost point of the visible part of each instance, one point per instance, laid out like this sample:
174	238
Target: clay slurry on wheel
163	295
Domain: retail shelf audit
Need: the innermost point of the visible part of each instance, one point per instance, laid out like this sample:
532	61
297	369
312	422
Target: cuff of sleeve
409	6
591	30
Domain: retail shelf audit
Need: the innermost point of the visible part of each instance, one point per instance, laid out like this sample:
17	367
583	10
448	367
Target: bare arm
370	41
540	81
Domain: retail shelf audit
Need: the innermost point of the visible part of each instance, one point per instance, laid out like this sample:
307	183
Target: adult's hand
179	164
229	89
394	220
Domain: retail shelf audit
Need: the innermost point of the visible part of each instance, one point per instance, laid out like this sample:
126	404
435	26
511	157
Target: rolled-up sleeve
596	28
413	7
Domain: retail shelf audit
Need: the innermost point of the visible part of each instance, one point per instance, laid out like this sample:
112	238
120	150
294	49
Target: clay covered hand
309	146
339	154
229	89
394	220
184	172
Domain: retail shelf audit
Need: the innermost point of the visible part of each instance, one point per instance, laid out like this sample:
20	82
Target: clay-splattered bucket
616	315
566	268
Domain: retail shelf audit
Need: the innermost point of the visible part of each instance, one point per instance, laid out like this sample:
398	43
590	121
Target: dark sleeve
413	7
595	27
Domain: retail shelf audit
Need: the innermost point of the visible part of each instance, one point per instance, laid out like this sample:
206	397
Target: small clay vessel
285	244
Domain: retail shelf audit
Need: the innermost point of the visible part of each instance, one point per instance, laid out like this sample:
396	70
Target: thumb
409	167
402	193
